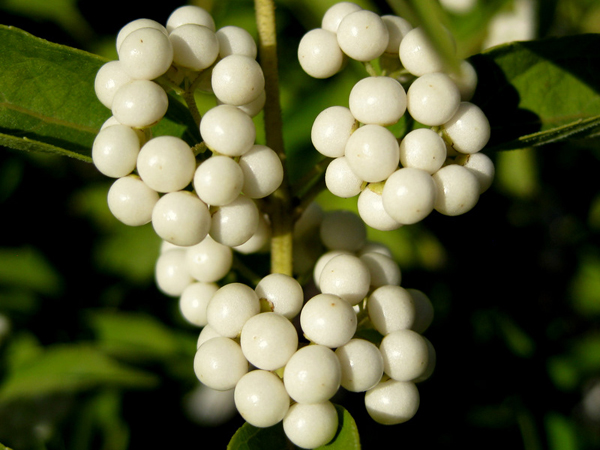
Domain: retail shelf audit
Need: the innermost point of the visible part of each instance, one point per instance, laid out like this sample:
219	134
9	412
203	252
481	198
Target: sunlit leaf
539	92
48	102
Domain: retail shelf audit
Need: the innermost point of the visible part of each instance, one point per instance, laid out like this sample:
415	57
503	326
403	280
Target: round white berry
171	273
312	374
255	106
433	99
193	302
181	218
209	261
262	171
109	78
346	276
236	222
146	54
283	292
227	130
409	195
135	25
457	190
423	310
392	402
397	29
371	211
372	152
482	166
140	103
405	354
377	100
206	334
166	163
468	129
230	307
362	35
236	41
335	13
131	201
319	53
237	80
218	180
375	247
423	149
418	55
195	46
259	241
219	363
190	14
328	320
340	180
115	151
391	308
268	340
311	425
361	363
323	260
261	398
342	230
383	269
465	80
331	130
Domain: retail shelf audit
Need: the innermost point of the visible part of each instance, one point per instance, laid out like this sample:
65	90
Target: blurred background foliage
93	356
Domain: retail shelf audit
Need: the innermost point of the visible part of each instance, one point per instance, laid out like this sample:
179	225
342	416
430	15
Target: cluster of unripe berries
185	191
286	350
436	166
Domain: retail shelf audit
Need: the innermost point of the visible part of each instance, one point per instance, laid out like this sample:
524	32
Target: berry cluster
250	337
285	348
186	192
436	166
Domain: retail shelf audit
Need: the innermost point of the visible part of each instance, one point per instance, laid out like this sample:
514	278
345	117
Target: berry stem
281	200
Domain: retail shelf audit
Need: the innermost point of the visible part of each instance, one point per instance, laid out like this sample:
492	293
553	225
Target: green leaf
538	92
137	336
27	268
249	437
70	368
2	447
48	101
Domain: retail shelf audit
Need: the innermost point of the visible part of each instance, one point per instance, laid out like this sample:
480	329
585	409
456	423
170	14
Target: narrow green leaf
136	336
2	447
538	92
70	368
48	102
347	437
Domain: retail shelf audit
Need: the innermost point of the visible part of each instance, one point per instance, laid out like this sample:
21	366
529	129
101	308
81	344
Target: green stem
280	202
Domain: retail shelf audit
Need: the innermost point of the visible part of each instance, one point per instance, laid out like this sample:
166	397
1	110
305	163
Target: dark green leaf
70	368
539	92
2	447
48	102
137	336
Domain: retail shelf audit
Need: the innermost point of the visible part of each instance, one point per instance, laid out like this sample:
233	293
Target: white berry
311	425
319	53
219	363
377	100
392	402
261	398
361	363
328	320
181	218
433	99
131	201
362	35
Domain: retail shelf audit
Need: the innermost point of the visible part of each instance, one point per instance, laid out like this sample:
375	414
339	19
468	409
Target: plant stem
280	202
